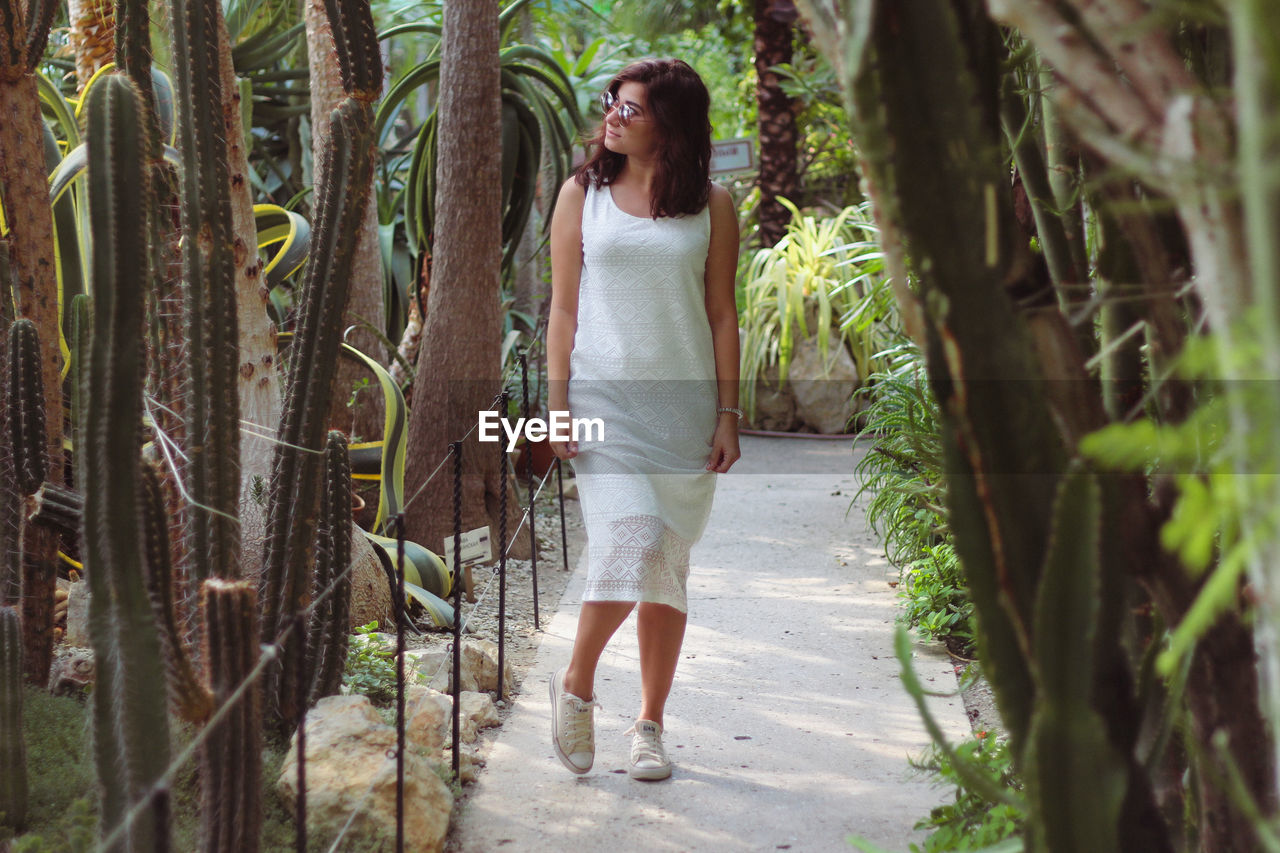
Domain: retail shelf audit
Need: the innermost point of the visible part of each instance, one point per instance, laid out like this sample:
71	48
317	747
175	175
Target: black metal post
564	533
533	536
400	620
457	604
300	699
502	555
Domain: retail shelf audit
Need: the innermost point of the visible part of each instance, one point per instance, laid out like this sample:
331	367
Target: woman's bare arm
562	325
722	314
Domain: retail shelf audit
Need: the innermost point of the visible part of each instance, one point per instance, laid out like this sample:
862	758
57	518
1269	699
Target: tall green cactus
231	759
213	410
25	393
327	641
28	459
130	721
13	758
190	698
10	557
295	477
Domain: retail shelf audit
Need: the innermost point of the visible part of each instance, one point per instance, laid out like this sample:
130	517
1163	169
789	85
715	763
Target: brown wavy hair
680	106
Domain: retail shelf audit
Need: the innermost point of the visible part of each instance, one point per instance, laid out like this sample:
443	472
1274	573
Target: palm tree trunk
458	369
777	120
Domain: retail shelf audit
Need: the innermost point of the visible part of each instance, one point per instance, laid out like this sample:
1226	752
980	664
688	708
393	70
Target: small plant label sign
476	548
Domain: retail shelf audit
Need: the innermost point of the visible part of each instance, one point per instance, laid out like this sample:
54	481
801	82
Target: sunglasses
627	113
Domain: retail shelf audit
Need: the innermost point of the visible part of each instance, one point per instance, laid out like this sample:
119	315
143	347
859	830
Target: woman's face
640	137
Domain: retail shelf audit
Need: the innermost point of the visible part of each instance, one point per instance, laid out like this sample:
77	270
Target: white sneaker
572	727
648	758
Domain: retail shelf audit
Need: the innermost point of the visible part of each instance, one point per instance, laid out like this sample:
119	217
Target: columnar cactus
188	694
13	759
28	460
130	721
327	643
231	761
340	203
25	393
213	410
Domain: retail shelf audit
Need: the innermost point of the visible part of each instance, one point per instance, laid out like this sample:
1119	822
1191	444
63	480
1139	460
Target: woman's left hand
724	444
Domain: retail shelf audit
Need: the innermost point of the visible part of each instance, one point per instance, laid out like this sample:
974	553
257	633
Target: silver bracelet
722	409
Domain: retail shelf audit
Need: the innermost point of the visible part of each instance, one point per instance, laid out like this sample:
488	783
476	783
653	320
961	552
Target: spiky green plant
212	401
13	760
26	408
295	476
130	722
188	694
327	641
231	758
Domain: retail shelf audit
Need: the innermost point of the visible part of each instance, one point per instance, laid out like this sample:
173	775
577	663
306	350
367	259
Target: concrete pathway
787	725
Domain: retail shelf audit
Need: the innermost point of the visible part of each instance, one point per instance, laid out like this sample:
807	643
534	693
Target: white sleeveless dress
643	363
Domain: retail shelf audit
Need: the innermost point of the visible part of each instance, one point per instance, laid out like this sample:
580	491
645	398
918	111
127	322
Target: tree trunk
93	36
458	369
777	120
365	302
26	198
260	397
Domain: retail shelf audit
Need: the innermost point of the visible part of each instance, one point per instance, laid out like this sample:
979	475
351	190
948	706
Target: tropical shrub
823	276
970	821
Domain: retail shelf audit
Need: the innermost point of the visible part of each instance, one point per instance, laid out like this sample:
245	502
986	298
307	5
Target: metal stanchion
502	556
533	536
457	604
400	624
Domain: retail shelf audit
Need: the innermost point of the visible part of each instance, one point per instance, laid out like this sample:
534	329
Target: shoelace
576	725
646	746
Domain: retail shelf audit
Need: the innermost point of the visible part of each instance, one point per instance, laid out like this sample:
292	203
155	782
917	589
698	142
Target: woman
643	334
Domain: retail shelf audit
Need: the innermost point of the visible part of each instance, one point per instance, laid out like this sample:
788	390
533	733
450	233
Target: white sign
477	547
733	155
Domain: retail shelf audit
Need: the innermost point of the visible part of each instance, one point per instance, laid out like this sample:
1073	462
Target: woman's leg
660	628
596	624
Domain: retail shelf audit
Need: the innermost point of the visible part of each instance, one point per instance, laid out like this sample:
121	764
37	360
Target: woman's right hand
564	450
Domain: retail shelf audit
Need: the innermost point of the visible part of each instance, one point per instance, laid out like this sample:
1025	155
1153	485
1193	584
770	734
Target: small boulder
427	716
480	662
347	757
823	386
72	672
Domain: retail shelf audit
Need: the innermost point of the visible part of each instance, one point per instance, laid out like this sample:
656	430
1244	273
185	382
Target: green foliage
935	599
828	159
539	114
62	815
968	821
823	276
903	469
371	666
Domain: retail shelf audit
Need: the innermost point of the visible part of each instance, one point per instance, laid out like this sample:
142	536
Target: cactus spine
130	722
13	759
327	643
231	763
213	410
341	199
